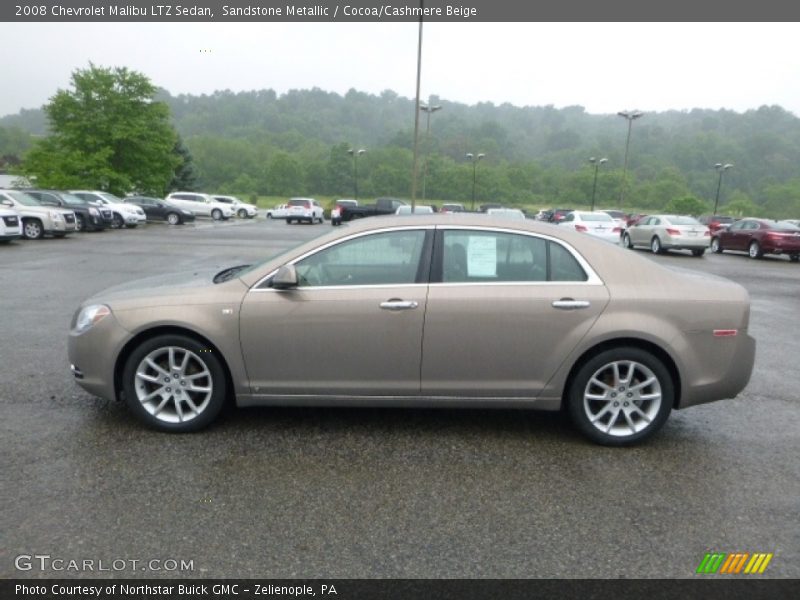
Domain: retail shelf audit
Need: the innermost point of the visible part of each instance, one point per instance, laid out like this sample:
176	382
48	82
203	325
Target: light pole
596	162
721	168
355	154
428	109
474	158
631	116
414	169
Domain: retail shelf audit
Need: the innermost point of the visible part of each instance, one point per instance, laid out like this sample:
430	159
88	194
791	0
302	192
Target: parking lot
352	493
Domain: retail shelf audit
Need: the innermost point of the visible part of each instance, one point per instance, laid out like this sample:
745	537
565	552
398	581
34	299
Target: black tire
794	257
173	218
59	235
698	251
242	213
655	245
32	229
269	216
626	241
216	214
288	221
117	222
716	245
599	366
754	250
203	356
80	223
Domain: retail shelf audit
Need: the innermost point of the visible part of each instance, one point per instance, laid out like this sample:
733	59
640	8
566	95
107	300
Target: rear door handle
395	304
570	304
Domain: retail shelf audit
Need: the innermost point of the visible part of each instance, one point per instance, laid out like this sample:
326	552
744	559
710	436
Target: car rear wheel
117	222
621	396
716	245
242	213
32	229
754	250
80	225
655	246
698	251
626	241
174	383
216	214
173	218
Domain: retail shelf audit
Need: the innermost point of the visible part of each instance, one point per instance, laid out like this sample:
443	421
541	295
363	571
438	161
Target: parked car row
35	213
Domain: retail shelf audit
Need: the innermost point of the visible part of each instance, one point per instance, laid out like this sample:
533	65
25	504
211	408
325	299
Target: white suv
243	210
124	214
38	219
201	205
304	209
10	226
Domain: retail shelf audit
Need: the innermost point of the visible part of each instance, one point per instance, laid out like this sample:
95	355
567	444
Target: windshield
223	199
274	255
595	217
70	199
24	198
683	221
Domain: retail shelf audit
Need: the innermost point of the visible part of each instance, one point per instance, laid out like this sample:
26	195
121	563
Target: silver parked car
415	311
668	232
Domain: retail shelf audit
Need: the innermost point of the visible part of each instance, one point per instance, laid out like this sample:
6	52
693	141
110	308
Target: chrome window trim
593	278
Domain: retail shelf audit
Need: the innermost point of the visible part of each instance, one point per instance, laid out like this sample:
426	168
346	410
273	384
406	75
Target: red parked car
758	237
715	222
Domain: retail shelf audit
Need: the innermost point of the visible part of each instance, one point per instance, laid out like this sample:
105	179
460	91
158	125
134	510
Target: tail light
707	233
673	231
581	228
616	230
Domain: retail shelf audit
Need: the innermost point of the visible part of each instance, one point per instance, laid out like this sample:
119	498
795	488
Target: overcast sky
604	67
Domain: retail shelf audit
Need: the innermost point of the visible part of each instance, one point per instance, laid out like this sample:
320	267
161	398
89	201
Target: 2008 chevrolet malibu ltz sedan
451	310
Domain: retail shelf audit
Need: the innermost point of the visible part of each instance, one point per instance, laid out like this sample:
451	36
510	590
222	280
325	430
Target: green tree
108	133
688	205
185	176
285	176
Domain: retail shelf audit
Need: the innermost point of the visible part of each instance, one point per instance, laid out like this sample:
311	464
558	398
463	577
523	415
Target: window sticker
482	256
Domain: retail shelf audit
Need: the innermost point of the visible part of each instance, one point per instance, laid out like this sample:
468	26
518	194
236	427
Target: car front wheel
626	241
32	229
655	246
716	245
117	222
174	383
80	224
173	218
242	214
754	250
621	396
216	214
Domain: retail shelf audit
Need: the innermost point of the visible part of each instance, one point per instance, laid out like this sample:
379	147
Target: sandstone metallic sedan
447	310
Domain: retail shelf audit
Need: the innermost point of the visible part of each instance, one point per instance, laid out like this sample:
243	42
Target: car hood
189	287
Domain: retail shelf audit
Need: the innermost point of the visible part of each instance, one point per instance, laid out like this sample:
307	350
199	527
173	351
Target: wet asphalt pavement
351	493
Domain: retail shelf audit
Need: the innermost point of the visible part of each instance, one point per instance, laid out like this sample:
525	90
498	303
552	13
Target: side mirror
285	278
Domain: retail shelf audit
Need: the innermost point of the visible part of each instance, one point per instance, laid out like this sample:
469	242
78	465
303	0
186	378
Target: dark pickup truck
382	206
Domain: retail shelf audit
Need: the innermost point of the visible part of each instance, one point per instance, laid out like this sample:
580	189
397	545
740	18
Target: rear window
595	217
722	219
684	221
303	203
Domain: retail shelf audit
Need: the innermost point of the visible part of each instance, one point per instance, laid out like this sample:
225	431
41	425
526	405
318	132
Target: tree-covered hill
296	143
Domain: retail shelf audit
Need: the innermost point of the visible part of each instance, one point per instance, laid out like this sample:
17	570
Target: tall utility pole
416	116
721	168
596	164
355	154
427	108
474	158
631	116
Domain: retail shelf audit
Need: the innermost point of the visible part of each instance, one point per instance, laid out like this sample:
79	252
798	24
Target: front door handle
397	304
570	304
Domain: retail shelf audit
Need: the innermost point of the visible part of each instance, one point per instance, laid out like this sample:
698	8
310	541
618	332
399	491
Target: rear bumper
686	243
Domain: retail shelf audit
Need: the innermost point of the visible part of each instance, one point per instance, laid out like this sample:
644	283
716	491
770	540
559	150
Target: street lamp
596	162
355	154
474	158
721	168
428	109
631	116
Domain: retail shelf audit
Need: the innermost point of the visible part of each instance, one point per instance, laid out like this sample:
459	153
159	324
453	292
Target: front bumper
93	353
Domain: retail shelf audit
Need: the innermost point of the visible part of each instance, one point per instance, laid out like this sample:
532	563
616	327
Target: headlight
56	216
90	315
93	211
